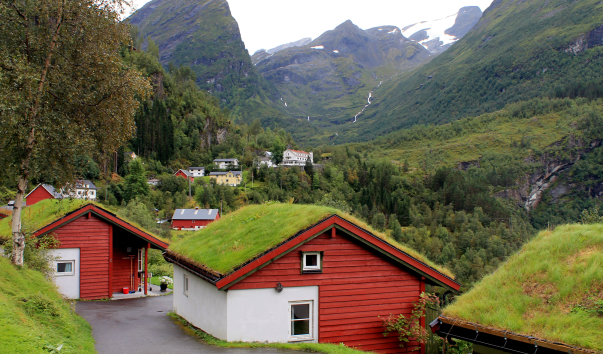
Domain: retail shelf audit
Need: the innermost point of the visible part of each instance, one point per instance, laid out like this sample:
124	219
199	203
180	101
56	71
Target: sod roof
539	291
237	238
48	211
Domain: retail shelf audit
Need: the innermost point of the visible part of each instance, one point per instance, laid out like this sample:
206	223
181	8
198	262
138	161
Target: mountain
203	35
438	35
329	81
519	50
299	43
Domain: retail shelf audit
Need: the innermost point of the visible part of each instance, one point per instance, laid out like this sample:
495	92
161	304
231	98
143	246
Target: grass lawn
552	289
34	317
155	281
305	347
250	231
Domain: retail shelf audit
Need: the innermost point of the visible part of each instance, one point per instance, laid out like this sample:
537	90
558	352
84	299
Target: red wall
92	237
183	175
123	268
357	285
38	195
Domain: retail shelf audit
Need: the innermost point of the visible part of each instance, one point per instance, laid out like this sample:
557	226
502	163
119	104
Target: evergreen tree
136	181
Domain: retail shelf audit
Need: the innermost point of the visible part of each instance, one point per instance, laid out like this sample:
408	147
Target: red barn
194	219
99	253
185	174
328	283
42	192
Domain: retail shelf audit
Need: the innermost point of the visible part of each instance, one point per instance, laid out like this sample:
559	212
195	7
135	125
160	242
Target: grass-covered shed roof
240	237
551	290
47	211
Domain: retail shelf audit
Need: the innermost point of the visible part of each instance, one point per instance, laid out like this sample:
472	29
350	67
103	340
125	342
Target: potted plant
164	281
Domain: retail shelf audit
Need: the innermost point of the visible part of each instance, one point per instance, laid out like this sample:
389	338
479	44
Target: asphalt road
142	326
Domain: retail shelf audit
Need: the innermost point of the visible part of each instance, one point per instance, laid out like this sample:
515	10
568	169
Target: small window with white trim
185	285
311	262
301	321
65	267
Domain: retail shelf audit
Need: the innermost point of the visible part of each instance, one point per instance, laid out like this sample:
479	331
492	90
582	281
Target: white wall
263	314
205	305
69	285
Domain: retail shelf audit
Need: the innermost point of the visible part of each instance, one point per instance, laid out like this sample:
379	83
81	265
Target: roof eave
447	327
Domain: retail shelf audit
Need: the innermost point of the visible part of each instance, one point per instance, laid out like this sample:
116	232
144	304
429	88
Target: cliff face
203	35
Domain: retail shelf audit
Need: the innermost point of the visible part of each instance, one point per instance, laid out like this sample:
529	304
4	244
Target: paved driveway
142	326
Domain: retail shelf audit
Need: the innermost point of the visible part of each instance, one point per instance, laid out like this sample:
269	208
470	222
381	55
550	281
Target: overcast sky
269	23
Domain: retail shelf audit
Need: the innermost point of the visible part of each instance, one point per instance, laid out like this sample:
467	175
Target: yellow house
230	178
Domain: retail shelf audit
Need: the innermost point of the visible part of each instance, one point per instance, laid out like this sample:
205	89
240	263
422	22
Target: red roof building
185	174
99	254
329	283
194	219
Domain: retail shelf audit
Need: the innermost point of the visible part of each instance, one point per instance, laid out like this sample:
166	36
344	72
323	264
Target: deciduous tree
64	89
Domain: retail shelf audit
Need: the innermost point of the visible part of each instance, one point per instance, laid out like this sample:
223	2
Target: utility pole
251	179
189	188
220	208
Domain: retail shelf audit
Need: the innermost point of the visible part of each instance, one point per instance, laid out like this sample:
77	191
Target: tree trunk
18	236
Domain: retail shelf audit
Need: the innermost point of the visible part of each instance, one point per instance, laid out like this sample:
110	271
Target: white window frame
185	285
318	266
302	338
64	274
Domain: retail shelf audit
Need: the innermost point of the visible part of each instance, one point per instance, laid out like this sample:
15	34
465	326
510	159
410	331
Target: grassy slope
535	291
250	231
514	53
470	139
47	211
34	317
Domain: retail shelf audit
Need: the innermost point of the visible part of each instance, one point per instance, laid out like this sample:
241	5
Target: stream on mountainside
370	96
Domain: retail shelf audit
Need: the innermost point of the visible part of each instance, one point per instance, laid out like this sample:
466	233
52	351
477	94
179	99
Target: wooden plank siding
37	195
357	286
91	235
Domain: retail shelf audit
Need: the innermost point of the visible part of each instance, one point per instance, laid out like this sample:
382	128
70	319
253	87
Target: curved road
142	326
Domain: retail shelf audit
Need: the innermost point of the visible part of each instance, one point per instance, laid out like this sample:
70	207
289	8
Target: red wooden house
99	253
328	283
185	174
194	219
42	192
82	189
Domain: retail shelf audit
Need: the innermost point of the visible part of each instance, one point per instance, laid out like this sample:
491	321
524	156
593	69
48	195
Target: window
65	267
301	321
185	285
311	262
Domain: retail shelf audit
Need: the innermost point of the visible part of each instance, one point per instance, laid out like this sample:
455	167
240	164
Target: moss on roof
247	233
48	211
550	290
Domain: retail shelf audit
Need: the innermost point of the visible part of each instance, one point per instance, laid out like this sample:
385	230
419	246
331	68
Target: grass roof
247	233
552	290
48	211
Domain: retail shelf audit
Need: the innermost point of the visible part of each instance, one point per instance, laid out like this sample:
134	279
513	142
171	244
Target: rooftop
196	168
195	214
224	173
45	212
551	290
225	160
238	238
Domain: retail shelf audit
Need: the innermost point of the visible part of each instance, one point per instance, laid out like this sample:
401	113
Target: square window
65	268
185	285
301	321
311	261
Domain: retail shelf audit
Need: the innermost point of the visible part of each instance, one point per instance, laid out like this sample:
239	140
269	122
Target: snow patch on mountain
318	47
435	30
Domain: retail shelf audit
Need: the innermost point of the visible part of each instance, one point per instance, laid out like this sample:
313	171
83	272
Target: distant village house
193	219
83	189
224	164
130	155
230	178
185	174
154	182
197	171
296	157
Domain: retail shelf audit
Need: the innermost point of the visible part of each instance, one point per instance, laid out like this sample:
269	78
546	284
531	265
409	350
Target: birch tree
64	89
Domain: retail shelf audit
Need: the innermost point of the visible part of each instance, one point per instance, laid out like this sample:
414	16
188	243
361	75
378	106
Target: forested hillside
517	51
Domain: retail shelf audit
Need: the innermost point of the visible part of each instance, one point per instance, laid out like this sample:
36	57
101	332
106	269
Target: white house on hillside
196	171
224	164
296	157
